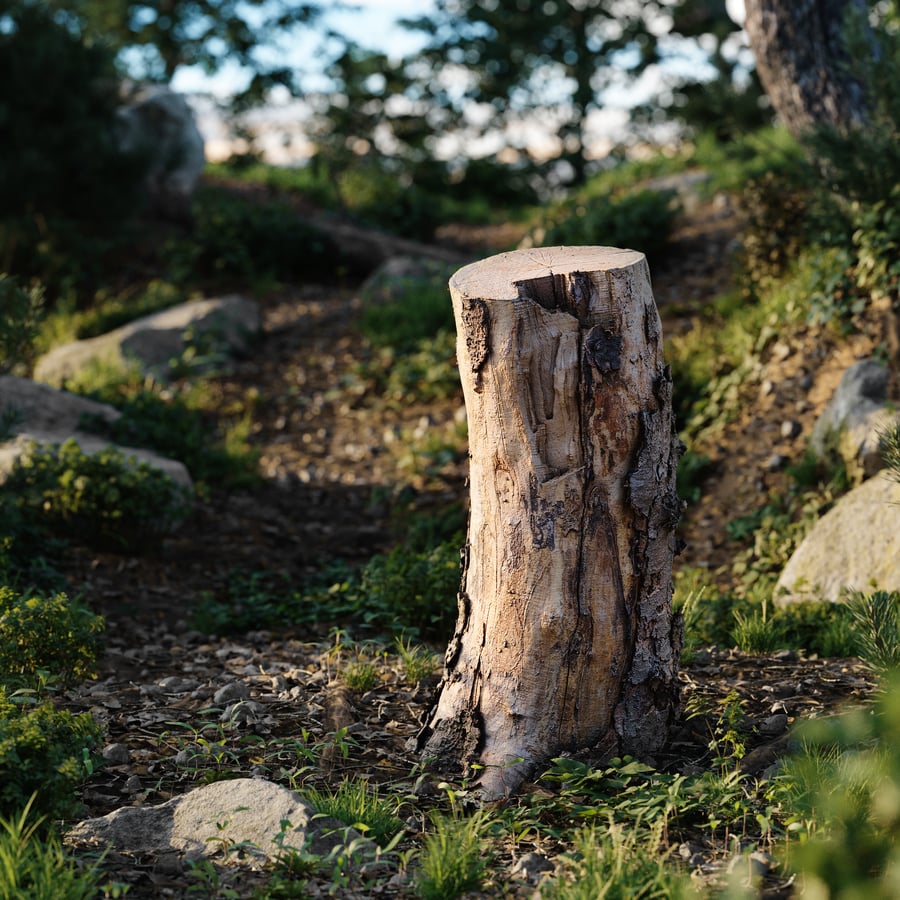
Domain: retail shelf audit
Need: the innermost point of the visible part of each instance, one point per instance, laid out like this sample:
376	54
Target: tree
155	38
518	59
803	63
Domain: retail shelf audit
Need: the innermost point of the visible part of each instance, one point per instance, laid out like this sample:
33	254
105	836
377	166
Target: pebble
530	867
133	785
774	725
237	690
116	754
776	461
790	429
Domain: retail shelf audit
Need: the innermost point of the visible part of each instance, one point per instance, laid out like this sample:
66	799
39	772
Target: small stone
776	461
176	684
237	690
766	388
781	351
785	655
133	785
774	725
790	429
116	754
182	758
242	711
530	867
807	381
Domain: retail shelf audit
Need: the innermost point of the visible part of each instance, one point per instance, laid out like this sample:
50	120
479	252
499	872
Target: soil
329	464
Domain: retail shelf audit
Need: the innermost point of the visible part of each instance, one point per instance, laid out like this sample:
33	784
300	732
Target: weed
360	805
419	662
616	863
22	310
875	619
756	632
841	795
453	859
692	469
34	864
361	675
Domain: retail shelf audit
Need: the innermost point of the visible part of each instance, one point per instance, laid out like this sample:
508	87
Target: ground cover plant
329	592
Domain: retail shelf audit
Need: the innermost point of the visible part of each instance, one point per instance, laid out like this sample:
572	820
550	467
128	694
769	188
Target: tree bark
565	637
801	60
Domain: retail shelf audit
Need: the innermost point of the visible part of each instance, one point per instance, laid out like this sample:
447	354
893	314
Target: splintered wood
565	637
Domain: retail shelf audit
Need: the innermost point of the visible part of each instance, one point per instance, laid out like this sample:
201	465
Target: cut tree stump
565	638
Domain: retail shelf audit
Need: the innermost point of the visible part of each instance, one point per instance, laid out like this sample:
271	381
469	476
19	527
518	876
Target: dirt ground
329	464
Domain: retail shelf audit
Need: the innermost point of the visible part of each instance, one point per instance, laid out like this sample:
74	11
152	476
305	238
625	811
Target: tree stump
565	637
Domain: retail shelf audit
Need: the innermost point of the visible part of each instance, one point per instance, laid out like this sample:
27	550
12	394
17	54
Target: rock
237	690
853	546
530	867
159	125
154	341
224	813
855	418
774	725
116	754
46	416
790	428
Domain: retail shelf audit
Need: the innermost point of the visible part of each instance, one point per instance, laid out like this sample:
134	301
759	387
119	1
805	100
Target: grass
361	805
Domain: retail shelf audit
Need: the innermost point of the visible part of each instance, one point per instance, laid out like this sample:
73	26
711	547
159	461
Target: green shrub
453	860
34	865
55	634
401	314
637	221
65	188
841	795
170	424
875	618
19	322
103	499
44	752
234	239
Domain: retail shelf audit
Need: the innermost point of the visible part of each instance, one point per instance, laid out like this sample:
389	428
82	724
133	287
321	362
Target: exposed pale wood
565	637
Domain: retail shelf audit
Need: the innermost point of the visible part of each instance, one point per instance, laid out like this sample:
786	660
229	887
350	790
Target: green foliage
361	675
425	374
34	865
359	804
640	220
178	424
103	500
617	864
52	634
401	592
453	860
236	239
418	661
19	323
890	451
64	186
876	621
44	752
841	795
400	314
692	469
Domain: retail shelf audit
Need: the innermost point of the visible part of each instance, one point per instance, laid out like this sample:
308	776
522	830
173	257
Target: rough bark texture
801	60
565	637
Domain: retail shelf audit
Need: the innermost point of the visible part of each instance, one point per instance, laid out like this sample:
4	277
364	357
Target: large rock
39	413
226	324
261	816
855	418
159	125
855	546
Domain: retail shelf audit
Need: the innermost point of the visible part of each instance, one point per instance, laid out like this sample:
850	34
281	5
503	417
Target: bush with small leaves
638	221
45	752
53	634
103	499
18	325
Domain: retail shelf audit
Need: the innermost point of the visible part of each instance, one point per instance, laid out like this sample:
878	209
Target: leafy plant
641	220
103	499
841	795
33	863
360	675
45	753
54	634
418	661
453	860
359	804
22	309
617	863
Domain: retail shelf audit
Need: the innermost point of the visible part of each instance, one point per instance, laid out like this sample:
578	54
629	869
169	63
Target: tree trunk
566	637
801	60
